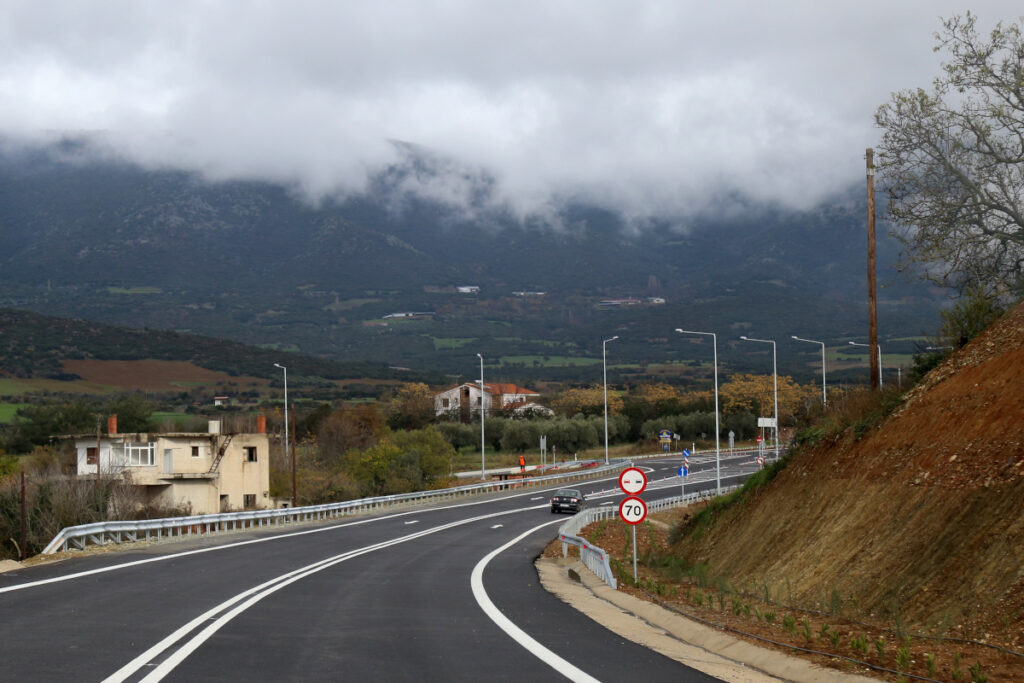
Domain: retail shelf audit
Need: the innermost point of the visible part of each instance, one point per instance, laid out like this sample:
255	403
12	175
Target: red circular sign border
642	488
632	499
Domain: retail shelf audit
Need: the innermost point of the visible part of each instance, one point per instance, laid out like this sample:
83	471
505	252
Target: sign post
684	472
665	437
633	509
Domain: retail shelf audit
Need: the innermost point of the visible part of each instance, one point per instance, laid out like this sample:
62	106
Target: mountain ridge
249	261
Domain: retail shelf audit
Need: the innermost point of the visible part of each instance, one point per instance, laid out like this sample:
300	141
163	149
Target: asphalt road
447	593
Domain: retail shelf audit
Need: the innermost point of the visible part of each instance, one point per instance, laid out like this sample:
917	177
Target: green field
549	361
451	342
134	290
7	411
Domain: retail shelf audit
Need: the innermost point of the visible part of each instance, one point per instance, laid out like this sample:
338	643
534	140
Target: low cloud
651	108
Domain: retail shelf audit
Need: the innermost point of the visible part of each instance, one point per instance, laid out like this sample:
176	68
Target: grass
7	411
550	361
134	290
163	416
451	342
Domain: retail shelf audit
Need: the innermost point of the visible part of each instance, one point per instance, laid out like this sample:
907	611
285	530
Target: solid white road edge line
517	634
254	595
161	558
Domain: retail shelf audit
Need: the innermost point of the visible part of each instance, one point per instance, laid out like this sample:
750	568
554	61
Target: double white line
216	618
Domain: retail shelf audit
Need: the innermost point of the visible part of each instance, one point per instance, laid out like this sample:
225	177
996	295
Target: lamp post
775	383
604	362
718	452
482	475
286	451
824	397
879	360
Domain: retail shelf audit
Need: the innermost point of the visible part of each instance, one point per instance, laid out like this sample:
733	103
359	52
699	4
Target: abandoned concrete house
210	472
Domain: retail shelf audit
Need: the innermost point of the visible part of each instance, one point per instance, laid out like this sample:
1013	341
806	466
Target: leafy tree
586	401
36	424
432	453
412	407
756	394
953	159
968	317
134	413
349	427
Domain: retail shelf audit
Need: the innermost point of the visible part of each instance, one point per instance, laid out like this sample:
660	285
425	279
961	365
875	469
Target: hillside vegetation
33	345
251	262
917	522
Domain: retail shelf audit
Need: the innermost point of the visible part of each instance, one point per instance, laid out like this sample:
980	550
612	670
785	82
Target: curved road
438	594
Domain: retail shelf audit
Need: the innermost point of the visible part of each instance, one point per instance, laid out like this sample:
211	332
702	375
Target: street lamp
286	451
879	360
824	398
775	382
604	361
482	476
718	452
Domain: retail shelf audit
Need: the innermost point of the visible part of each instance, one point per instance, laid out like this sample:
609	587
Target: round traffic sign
633	510
632	480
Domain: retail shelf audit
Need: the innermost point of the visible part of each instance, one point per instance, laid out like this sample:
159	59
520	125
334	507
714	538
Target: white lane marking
251	597
497	526
412	521
517	634
161	558
537	498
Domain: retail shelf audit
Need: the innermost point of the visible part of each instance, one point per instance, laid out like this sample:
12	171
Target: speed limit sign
633	510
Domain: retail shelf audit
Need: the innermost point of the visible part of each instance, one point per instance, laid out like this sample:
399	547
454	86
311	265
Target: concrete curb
700	647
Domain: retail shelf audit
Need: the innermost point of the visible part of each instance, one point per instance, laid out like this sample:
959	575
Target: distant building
410	314
528	294
655	300
465	400
620	302
209	472
467	289
221	400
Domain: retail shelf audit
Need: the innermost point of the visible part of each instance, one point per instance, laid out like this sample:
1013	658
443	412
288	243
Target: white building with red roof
465	401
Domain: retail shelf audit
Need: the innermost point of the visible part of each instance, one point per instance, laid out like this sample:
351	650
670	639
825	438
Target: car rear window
572	493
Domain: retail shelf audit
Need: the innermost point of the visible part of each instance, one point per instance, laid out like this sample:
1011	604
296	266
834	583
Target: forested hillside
253	262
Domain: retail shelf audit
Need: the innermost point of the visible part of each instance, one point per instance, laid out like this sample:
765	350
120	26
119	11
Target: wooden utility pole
876	369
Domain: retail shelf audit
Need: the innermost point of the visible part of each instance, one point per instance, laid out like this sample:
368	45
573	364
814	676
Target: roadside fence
595	558
101	533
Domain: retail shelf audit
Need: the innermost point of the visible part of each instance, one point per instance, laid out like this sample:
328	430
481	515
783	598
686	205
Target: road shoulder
700	647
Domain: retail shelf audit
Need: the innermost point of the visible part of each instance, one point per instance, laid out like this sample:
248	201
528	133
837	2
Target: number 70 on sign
633	510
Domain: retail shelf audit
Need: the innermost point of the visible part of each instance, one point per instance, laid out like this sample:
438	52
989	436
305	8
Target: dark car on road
571	500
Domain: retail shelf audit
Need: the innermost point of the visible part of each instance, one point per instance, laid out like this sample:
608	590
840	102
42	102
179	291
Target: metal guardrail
101	533
595	558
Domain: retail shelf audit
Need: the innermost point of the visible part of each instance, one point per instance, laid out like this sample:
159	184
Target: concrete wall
177	477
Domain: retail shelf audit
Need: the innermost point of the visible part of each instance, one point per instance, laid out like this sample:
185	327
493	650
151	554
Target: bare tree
953	161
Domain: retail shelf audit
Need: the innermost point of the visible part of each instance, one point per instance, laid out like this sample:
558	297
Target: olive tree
952	160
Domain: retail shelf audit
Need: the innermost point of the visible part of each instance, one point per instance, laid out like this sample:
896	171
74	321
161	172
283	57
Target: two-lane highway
441	593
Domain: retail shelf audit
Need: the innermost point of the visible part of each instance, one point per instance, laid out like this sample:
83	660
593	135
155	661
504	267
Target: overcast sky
650	106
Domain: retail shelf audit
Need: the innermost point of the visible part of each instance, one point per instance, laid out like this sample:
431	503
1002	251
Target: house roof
508	388
500	388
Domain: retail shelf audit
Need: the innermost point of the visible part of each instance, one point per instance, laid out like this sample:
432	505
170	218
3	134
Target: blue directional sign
686	452
684	471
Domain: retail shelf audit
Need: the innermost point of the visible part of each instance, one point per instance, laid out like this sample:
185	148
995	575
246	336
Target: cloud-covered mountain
260	263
